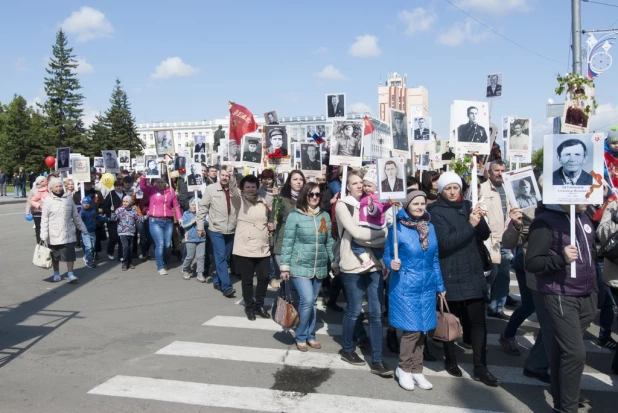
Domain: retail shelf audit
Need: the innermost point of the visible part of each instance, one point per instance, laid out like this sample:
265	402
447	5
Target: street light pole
576	29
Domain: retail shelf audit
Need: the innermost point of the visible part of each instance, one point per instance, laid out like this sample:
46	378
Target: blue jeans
23	190
500	283
161	231
527	307
88	245
222	250
17	191
606	305
274	273
307	290
356	286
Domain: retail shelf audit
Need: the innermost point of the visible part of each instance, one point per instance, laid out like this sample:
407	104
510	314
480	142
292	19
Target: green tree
63	108
537	159
98	136
121	123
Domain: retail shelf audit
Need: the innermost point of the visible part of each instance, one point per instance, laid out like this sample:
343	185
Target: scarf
251	198
423	230
312	211
294	194
59	195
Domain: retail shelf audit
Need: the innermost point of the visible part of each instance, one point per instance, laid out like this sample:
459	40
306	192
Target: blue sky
183	60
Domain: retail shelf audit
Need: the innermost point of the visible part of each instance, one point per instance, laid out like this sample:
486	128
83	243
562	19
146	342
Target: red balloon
50	161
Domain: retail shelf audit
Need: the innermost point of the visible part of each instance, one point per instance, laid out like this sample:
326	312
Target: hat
275	131
448	178
612	136
194	201
252	141
413	195
86	200
371	176
127	198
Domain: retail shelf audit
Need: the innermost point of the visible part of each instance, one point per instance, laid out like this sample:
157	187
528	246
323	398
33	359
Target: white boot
405	379
421	381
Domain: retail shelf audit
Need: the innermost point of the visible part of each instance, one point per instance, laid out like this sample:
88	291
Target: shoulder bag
283	311
449	327
42	256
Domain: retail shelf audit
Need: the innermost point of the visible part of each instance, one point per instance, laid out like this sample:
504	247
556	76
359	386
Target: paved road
137	341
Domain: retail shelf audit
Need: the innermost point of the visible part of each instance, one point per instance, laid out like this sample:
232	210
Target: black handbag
609	250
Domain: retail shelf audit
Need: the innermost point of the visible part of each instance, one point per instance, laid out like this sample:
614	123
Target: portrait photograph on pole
194	177
152	168
519	147
335	106
521	188
310	159
574	118
392	179
164	142
124	158
110	162
399	133
277	138
271	117
346	143
494	86
471	123
63	159
573	169
81	169
421	129
252	149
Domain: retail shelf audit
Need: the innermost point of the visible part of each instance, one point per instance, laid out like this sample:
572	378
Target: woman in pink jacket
34	205
163	211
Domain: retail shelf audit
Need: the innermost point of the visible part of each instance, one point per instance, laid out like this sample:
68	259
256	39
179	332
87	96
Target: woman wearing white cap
459	227
414	282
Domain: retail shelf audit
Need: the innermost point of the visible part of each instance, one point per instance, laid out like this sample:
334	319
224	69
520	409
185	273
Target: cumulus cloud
330	72
173	67
417	20
360	107
467	31
83	66
365	46
495	7
87	24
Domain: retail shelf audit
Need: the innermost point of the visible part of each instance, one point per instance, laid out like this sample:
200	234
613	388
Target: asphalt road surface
137	341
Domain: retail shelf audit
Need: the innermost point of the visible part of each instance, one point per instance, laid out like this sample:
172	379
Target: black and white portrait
472	120
310	159
321	131
124	157
233	151
494	85
199	157
199	144
335	106
180	162
421	129
399	131
346	143
110	161
164	142
521	187
570	164
252	149
194	177
98	164
152	168
277	138
311	131
519	140
271	117
63	159
392	179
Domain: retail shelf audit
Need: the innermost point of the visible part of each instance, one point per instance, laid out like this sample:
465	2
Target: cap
127	198
275	131
252	141
371	176
86	200
448	178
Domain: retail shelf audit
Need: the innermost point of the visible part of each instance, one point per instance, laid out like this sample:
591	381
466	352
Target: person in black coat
459	228
111	203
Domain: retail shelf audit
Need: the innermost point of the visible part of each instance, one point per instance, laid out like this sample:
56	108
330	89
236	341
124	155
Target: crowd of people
326	236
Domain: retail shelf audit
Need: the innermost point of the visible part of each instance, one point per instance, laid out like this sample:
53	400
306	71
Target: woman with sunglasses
307	249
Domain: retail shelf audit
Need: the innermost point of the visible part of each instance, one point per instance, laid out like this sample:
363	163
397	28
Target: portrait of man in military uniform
252	150
399	127
472	131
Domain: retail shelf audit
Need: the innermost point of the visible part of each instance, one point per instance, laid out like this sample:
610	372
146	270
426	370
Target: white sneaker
71	278
111	257
56	278
405	379
421	381
162	271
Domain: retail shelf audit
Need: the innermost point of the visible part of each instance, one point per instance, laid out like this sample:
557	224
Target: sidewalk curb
13	201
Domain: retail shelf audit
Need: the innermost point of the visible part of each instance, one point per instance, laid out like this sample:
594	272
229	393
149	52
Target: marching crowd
305	236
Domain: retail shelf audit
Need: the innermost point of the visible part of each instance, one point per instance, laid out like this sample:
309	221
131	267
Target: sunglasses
314	194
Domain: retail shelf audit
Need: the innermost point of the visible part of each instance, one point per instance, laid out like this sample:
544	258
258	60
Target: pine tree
64	101
99	136
121	123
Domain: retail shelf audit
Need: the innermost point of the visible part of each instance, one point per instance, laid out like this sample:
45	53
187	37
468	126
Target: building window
392	101
186	134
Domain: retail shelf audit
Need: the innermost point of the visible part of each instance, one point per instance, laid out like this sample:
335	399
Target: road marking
257	399
324	360
13	213
528	341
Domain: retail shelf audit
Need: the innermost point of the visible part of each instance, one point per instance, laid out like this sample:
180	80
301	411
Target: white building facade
299	129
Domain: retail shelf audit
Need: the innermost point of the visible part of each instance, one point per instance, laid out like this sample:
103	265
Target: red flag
368	126
241	122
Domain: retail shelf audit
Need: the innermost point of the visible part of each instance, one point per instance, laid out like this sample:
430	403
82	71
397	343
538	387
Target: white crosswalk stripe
257	399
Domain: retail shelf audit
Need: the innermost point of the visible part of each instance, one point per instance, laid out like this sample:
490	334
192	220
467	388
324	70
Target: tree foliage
537	159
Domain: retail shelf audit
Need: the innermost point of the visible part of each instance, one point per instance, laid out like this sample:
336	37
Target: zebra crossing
517	392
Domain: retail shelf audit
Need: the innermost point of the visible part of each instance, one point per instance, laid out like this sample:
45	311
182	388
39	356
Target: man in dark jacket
111	203
570	299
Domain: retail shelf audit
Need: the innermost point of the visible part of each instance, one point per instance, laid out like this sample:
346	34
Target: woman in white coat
59	220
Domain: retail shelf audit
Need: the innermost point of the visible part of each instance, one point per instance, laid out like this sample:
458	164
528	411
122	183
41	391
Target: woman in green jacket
307	248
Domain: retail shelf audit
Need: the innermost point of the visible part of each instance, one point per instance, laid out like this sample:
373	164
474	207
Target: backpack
333	217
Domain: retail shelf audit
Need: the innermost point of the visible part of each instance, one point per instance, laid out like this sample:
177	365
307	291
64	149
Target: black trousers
246	267
37	228
471	313
127	249
114	239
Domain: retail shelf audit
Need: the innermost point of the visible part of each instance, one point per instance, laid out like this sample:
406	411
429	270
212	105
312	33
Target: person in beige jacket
222	212
498	208
59	220
251	244
358	281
